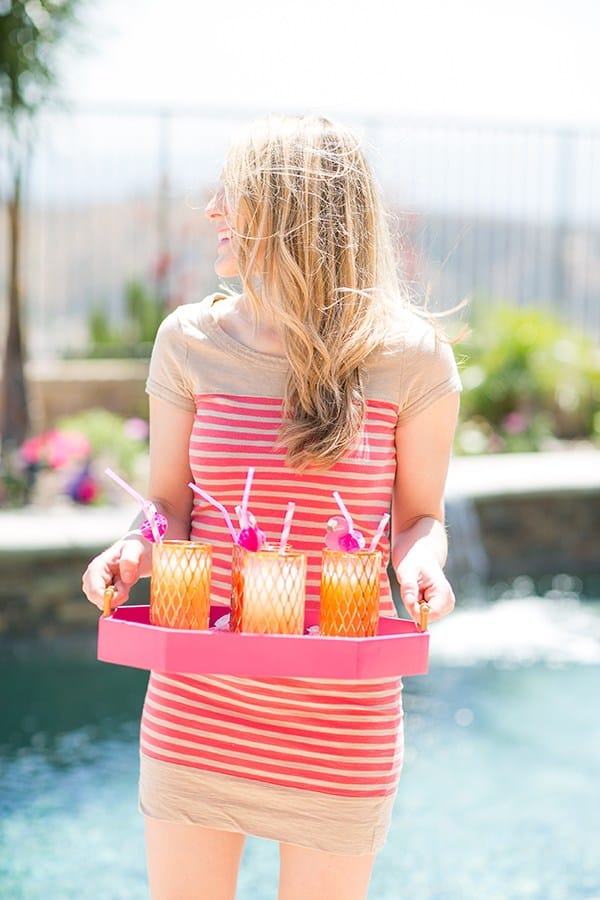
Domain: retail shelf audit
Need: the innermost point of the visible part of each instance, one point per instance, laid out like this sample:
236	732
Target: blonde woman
320	376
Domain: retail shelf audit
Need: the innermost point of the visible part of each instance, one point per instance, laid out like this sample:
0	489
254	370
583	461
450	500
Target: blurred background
483	126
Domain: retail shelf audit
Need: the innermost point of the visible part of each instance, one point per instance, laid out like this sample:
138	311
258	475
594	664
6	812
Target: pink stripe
360	692
374	737
299	784
248	400
232	736
220	706
224	748
202	716
208	756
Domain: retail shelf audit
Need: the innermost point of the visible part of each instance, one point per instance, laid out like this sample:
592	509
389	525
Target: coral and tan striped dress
310	762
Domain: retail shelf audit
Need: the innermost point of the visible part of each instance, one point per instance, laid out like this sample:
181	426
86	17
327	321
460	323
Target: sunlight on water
498	798
519	630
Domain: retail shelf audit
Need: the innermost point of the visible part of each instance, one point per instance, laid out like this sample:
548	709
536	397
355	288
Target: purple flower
136	429
83	488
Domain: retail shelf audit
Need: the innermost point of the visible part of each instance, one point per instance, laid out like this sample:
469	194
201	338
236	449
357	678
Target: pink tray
126	637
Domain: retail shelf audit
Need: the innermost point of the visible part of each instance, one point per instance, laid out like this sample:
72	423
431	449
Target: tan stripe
284	702
247	729
261	770
324	686
274	724
273	759
324	699
284	756
254	711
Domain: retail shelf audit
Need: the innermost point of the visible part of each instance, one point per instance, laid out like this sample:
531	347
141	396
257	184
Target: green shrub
529	379
144	311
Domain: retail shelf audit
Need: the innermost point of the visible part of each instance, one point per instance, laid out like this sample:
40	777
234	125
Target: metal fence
489	212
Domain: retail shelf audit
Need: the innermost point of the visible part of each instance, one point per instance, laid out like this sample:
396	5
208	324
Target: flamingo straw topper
341	533
155	524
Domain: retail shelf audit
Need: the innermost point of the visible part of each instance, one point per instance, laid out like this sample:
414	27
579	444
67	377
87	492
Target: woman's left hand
421	577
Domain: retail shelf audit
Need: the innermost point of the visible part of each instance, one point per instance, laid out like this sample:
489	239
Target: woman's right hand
121	565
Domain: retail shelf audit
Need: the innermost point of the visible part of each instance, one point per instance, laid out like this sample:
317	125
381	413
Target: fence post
563	191
163	204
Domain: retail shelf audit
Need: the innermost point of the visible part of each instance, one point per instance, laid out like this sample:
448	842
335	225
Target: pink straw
148	508
287	524
345	512
379	532
244	511
219	506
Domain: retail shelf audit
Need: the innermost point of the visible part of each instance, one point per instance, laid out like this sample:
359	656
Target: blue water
499	797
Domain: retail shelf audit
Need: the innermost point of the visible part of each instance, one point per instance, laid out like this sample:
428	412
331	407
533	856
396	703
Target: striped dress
311	762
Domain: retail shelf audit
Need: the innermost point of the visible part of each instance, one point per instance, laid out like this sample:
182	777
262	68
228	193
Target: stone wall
40	593
541	534
499	538
60	387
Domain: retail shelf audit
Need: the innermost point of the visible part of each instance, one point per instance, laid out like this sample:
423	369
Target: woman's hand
121	565
421	578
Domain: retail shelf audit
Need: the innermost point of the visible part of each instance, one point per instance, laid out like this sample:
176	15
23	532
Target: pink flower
515	423
55	449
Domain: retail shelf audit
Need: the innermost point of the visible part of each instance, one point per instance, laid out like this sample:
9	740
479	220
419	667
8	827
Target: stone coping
32	530
509	474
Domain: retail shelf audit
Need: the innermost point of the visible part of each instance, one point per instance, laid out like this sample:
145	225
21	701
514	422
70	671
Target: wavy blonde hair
312	241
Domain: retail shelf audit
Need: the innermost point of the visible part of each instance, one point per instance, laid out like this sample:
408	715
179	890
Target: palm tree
30	31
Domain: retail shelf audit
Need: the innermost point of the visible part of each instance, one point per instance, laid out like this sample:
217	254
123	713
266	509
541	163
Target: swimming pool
498	799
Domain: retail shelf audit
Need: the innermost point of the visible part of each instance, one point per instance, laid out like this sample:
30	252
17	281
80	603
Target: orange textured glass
180	584
237	587
268	591
350	586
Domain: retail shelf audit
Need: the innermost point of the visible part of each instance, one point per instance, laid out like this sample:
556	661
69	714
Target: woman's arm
170	430
130	558
419	545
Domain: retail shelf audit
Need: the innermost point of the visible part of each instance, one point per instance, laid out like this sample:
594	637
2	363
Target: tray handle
423	614
109	593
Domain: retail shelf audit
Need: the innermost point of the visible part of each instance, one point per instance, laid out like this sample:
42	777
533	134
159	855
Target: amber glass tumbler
180	584
237	587
268	591
350	587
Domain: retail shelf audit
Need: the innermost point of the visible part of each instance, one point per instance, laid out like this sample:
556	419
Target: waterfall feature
467	567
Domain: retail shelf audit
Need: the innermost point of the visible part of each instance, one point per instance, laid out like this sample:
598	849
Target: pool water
499	797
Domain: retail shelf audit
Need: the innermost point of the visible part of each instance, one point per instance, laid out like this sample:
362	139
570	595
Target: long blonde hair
312	241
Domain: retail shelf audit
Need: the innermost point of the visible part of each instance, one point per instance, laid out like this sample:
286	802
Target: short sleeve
429	372
167	376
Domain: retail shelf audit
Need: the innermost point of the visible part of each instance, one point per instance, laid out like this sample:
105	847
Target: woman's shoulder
415	363
412	335
191	319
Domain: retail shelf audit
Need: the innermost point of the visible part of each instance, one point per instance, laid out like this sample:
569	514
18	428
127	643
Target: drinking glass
268	589
180	584
350	588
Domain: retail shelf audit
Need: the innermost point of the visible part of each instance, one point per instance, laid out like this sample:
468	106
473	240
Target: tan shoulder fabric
193	355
